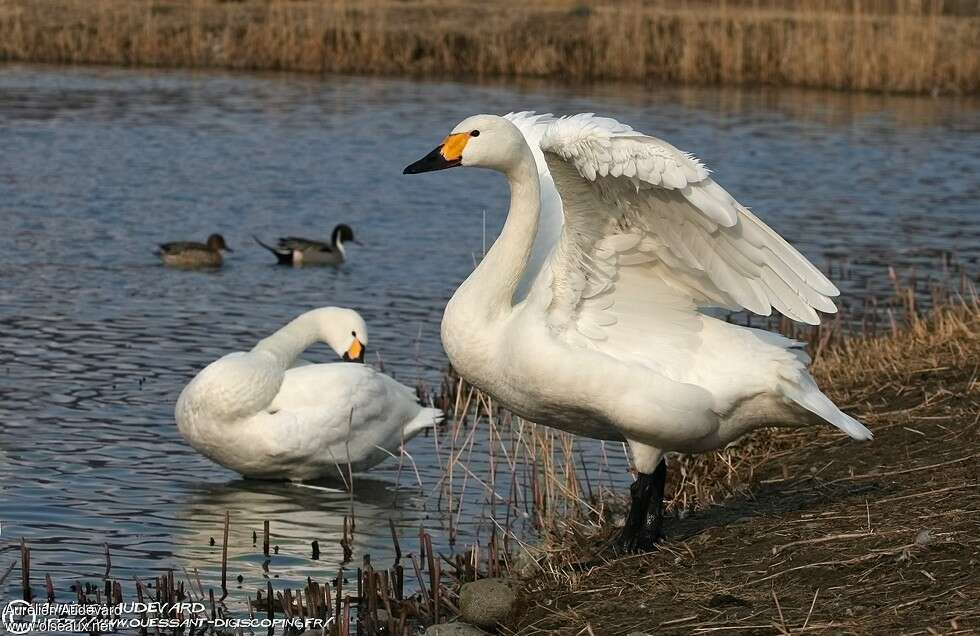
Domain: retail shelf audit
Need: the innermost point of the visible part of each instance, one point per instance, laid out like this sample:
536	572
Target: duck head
343	234
216	243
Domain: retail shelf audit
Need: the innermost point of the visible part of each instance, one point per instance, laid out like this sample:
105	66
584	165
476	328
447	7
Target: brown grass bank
810	532
913	46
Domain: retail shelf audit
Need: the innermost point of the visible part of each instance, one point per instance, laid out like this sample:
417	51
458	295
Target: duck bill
433	161
355	353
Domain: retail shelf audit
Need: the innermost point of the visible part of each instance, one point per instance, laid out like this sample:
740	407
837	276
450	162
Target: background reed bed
910	46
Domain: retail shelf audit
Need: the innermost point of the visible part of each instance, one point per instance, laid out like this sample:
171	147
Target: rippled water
97	339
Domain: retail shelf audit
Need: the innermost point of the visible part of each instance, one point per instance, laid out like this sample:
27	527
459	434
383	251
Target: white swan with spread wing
585	313
264	413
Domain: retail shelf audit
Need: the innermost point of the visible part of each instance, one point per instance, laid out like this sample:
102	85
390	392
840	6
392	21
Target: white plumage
264	413
584	315
654	206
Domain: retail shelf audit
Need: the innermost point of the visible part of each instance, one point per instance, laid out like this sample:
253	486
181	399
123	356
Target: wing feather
644	226
302	244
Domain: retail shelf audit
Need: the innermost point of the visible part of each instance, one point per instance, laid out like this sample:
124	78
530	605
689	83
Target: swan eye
353	333
475	133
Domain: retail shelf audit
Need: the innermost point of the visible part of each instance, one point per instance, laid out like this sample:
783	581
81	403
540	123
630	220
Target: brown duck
189	254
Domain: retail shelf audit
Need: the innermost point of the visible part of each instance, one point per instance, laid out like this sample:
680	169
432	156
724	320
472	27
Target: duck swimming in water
300	251
188	254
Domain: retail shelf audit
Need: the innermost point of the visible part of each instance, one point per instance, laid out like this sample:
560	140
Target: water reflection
298	515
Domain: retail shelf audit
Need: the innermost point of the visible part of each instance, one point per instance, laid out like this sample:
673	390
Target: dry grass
914	46
527	477
810	532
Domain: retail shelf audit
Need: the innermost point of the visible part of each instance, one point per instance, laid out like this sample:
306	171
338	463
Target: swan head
482	141
343	330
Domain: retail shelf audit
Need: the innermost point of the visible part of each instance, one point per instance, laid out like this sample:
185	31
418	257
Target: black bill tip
431	162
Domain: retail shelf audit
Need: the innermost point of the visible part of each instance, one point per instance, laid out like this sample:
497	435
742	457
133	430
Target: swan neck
289	342
498	274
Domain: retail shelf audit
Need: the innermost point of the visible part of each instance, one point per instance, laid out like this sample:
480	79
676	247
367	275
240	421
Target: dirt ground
814	532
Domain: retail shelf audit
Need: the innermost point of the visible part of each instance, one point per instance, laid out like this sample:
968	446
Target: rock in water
454	629
487	603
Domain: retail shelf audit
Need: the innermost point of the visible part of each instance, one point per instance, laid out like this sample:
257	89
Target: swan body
586	313
301	251
264	414
189	254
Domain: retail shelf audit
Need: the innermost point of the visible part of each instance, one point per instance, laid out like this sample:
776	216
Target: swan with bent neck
267	414
585	314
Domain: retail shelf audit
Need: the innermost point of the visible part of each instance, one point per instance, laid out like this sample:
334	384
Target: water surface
97	339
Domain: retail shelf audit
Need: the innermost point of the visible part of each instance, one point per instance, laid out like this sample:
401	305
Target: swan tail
427	418
282	257
806	393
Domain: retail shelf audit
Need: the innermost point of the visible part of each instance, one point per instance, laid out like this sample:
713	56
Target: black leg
636	518
642	529
659	482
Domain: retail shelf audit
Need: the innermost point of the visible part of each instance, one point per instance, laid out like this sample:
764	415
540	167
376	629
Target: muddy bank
812	532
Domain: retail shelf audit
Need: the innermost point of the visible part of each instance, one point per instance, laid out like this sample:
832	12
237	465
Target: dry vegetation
915	46
808	531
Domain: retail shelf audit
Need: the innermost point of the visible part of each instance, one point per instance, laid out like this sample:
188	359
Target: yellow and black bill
448	154
355	353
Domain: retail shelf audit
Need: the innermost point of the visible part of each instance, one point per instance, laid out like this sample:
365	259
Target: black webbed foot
645	540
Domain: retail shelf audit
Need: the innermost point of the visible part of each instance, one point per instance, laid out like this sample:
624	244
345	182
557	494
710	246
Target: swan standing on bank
264	414
584	315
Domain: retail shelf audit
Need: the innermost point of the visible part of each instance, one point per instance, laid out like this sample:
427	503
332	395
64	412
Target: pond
97	338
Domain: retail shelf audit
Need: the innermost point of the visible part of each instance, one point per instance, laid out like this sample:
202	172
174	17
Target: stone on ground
454	629
487	603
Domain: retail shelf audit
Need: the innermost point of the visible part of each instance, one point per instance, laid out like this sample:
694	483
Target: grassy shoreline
873	45
806	531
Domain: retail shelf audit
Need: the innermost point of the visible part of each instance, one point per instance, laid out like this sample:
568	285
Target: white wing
649	236
339	411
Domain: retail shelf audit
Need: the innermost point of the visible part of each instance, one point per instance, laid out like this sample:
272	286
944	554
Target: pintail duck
300	251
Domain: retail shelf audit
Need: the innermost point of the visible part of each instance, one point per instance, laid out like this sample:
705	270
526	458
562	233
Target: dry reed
913	46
